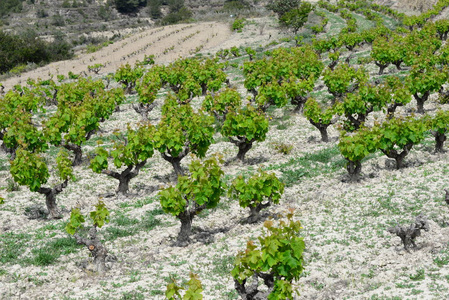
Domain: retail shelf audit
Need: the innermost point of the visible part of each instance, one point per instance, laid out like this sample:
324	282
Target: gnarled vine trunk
175	161
77	151
440	138
420	101
299	102
354	169
254	214
323	130
144	109
96	248
50	199
244	146
382	67
398	156
125	176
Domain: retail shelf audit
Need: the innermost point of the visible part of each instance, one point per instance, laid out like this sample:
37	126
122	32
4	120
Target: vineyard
182	161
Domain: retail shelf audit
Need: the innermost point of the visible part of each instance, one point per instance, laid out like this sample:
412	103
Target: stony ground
349	253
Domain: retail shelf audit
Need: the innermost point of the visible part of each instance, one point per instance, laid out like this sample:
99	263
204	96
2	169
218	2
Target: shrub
238	25
277	261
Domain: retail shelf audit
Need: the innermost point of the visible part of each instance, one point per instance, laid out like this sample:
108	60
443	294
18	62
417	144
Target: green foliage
279	257
181	126
64	166
399	133
177	16
343	79
318	113
260	187
357	145
22	132
193	292
221	103
283	148
189	78
99	216
201	189
288	74
76	221
29	169
9	6
128	76
95	68
16	50
100	161
235	51
297	17
136	148
281	7
247	122
238	24
155	8
440	122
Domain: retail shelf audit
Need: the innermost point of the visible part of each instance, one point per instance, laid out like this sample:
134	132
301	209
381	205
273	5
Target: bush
176	17
129	6
235	5
238	25
8	6
277	261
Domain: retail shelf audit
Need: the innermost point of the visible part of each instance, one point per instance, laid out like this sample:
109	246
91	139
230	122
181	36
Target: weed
420	275
310	165
223	265
149	221
132	296
443	259
12	246
283	148
51	251
122	220
11	185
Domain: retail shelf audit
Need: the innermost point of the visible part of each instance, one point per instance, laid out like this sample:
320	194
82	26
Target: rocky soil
349	252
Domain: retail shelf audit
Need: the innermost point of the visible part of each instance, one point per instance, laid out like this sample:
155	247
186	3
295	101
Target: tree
439	125
297	17
221	103
398	135
281	7
155	8
193	193
129	6
422	81
320	116
355	146
147	90
78	117
128	76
